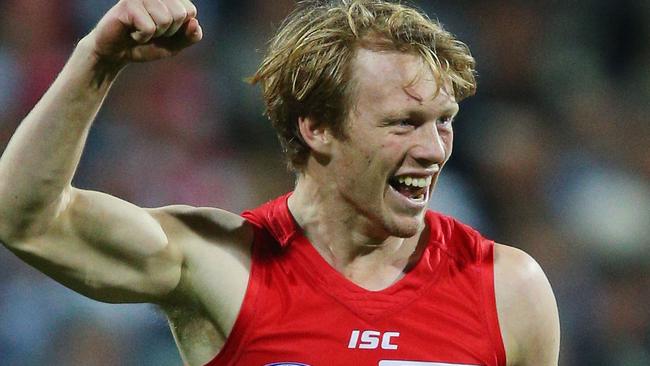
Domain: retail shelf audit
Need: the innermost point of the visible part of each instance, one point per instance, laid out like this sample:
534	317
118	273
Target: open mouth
411	187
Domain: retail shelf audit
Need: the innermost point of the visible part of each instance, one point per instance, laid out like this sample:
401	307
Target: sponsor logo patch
372	339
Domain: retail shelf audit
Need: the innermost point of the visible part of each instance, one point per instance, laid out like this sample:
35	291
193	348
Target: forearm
37	166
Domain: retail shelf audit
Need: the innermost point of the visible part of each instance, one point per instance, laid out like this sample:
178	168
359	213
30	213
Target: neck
342	235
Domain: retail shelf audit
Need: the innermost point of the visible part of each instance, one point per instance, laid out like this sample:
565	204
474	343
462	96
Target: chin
405	227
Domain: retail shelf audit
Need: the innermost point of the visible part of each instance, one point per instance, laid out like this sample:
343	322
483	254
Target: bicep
527	309
105	248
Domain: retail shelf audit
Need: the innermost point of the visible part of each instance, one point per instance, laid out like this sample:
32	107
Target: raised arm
96	244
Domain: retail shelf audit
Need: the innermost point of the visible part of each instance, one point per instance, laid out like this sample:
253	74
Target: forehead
393	79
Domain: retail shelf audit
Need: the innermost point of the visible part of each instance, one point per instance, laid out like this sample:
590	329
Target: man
350	268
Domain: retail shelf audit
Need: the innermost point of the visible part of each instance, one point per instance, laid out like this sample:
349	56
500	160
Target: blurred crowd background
552	155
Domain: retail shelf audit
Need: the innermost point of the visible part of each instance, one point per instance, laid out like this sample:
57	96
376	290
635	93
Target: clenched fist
145	30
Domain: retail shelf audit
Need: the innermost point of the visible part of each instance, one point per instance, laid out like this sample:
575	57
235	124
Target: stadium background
551	156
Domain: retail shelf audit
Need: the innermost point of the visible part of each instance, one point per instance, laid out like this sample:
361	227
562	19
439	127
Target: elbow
14	229
22	219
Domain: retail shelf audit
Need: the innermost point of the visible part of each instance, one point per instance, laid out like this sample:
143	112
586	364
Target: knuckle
149	29
166	21
192	11
131	4
181	15
125	5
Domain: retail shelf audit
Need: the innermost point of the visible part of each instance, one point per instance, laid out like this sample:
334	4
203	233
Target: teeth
414	181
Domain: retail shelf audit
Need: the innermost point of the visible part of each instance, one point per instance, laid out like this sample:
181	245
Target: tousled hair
306	71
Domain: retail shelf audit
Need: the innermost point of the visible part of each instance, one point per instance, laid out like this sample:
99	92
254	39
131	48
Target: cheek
357	158
393	147
353	165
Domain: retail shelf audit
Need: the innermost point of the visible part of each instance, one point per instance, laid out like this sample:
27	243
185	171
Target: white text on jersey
370	339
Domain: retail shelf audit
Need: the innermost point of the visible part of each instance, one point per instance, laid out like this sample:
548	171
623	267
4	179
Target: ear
316	135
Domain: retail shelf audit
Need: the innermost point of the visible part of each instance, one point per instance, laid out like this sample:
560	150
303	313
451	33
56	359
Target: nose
432	146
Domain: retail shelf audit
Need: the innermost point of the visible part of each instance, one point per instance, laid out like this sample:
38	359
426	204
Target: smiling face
399	135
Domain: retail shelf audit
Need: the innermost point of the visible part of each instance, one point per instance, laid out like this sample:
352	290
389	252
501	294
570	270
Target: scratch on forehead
410	91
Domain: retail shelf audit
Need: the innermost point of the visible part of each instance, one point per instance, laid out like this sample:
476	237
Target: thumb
192	30
189	34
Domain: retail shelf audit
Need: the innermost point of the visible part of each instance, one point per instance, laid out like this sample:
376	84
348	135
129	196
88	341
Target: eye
445	121
405	123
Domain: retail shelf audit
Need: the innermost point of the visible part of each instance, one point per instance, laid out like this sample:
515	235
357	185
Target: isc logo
372	339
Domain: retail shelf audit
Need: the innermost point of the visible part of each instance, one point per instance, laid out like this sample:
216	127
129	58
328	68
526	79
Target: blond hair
307	69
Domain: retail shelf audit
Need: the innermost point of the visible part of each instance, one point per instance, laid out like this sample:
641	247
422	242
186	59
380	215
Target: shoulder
214	244
209	223
526	307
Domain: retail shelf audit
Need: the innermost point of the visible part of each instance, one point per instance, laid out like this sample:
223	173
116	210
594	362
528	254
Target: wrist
104	70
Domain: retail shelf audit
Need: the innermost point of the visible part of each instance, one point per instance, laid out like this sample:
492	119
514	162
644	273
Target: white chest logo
372	339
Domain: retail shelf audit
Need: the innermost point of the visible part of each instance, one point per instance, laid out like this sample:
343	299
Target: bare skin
194	262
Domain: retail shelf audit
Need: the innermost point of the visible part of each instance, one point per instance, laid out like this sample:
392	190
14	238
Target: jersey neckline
366	303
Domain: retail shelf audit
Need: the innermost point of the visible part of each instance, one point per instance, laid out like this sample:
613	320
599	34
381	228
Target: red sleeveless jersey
298	310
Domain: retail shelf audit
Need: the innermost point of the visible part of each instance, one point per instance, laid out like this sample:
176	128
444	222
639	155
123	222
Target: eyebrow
449	109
